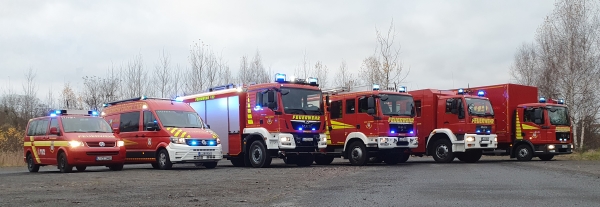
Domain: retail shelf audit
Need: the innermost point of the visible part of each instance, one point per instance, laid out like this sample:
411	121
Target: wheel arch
353	137
436	135
519	143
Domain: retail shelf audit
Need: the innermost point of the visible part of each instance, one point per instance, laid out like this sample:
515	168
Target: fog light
550	146
120	143
470	139
285	139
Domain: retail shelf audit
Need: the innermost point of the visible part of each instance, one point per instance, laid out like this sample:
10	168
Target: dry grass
587	155
11	159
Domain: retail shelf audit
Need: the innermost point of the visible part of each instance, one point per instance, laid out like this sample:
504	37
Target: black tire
155	165
391	159
31	166
305	160
470	156
210	165
237	162
358	154
80	168
442	151
546	157
259	155
163	159
117	167
523	152
63	163
403	157
324	160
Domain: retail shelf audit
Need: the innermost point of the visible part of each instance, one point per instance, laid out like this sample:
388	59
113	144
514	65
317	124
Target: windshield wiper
393	114
302	110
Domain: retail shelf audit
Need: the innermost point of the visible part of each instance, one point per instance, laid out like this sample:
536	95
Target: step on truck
528	126
259	122
369	123
453	124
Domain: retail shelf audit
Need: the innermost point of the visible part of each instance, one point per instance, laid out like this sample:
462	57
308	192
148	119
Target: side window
42	127
528	115
193	119
149	119
130	122
460	108
54	123
32	128
350	106
449	106
418	108
362	105
336	109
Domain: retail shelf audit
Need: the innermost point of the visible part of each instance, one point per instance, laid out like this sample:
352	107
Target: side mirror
371	111
116	131
208	126
371	103
271	96
152	126
54	130
285	91
327	100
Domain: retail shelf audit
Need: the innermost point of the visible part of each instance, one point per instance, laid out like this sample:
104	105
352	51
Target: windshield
397	105
180	119
302	101
558	115
479	107
85	125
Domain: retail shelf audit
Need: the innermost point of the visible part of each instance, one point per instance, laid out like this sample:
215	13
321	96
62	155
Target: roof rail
228	86
135	99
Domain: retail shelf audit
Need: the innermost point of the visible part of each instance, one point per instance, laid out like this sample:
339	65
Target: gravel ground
420	182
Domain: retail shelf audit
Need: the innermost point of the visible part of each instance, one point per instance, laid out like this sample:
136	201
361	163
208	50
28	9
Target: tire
164	162
546	157
117	167
259	155
403	157
80	168
358	154
210	165
442	151
31	166
324	160
63	163
391	159
155	165
237	162
523	152
470	156
305	160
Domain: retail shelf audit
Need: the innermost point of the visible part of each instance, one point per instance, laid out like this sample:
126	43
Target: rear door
129	127
334	124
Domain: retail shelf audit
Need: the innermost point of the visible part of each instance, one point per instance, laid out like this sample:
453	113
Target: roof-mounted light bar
55	113
542	100
402	89
481	93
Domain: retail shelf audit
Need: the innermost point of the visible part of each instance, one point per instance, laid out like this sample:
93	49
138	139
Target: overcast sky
446	44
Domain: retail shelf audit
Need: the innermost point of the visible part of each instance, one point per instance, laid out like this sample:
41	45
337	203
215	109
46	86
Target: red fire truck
372	123
528	127
263	121
453	125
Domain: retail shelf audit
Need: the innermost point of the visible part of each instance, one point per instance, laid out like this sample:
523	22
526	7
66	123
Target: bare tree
91	93
525	69
30	93
303	70
136	78
162	75
68	98
321	73
109	86
177	83
344	77
259	73
244	75
196	74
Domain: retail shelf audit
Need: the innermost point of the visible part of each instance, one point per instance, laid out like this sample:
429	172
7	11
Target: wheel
403	157
524	153
237	162
63	163
80	168
305	160
391	159
470	156
31	166
155	165
442	151
324	160
358	154
259	155
118	167
546	157
164	162
210	165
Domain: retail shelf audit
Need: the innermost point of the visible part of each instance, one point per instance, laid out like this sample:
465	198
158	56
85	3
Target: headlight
75	144
470	139
384	140
120	143
550	146
177	140
285	139
495	139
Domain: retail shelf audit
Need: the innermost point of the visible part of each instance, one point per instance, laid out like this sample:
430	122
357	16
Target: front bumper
393	142
286	141
95	156
553	149
179	153
475	141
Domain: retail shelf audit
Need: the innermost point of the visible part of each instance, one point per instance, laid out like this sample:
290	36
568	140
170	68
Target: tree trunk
582	133
574	133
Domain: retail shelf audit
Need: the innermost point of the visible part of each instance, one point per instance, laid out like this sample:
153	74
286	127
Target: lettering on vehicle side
401	120
306	117
124	107
204	98
563	129
482	121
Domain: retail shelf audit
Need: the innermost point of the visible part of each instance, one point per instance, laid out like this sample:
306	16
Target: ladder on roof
358	88
134	99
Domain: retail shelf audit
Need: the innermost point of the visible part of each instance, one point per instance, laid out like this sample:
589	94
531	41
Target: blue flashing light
561	101
279	77
257	108
481	93
300	128
402	89
542	100
94	113
179	99
105	105
478	131
143	98
411	132
194	143
461	91
52	115
312	80
392	131
211	143
314	129
375	87
488	131
57	112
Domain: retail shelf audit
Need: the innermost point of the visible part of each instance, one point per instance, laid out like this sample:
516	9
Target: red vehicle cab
72	138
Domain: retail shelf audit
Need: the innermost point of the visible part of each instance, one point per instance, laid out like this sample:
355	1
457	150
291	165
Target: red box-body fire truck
369	123
453	125
526	126
259	122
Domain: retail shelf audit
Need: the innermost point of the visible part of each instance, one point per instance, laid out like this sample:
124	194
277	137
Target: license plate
104	158
565	146
385	144
204	153
485	139
403	139
307	139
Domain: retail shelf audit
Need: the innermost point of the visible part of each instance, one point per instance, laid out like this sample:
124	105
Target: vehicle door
54	139
41	140
150	130
533	127
129	131
350	122
365	121
454	116
335	123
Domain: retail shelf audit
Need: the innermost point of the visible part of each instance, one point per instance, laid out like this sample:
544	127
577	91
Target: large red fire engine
528	127
453	125
264	121
373	123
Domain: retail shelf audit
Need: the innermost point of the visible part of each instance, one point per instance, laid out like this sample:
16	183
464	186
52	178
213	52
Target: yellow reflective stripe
189	136
177	133
27	144
525	126
518	132
35	155
173	130
168	128
49	143
182	134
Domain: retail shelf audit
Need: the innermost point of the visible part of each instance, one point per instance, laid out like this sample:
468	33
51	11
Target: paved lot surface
495	181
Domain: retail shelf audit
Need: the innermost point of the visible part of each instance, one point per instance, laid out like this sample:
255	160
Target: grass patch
11	159
587	155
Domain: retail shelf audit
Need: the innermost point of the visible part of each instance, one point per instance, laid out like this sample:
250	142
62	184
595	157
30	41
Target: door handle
545	127
358	126
446	122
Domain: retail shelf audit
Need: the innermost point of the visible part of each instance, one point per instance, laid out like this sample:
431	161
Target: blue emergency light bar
54	113
402	89
561	101
375	87
312	80
461	91
480	93
179	99
542	100
280	77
